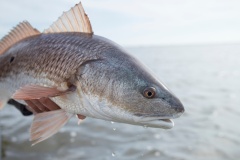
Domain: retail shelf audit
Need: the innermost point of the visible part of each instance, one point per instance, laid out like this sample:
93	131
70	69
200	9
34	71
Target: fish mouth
159	123
156	121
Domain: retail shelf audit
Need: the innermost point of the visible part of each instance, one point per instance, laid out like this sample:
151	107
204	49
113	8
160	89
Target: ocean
206	80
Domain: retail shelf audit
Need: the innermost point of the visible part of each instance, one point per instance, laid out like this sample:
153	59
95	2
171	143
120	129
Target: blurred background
137	22
192	46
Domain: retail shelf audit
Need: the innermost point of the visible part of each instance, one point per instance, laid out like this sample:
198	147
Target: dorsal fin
74	20
21	31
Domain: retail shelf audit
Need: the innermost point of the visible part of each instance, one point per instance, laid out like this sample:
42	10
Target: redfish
83	74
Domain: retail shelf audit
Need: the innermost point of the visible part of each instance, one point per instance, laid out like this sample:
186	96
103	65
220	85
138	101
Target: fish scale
56	62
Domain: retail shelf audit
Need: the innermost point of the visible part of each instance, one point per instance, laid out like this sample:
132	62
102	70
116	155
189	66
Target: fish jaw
158	123
155	122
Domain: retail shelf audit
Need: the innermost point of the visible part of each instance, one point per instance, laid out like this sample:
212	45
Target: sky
137	22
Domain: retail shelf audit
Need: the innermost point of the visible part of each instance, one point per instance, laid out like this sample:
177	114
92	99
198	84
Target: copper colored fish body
82	74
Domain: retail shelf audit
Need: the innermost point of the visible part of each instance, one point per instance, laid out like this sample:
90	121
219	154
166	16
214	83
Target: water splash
157	136
73	134
113	154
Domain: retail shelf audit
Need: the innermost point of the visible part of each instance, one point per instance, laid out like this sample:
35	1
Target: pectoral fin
47	124
30	92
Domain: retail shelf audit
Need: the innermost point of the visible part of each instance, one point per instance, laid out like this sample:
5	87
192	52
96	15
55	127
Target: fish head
121	89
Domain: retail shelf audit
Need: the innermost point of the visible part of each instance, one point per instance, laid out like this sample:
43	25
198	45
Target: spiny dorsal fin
21	31
74	20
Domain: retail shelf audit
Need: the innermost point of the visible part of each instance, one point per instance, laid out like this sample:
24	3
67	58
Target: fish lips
159	123
155	121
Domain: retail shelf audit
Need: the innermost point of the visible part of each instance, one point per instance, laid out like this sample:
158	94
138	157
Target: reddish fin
36	92
47	124
80	118
32	107
74	20
42	105
21	31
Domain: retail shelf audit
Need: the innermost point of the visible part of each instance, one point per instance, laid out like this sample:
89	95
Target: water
205	78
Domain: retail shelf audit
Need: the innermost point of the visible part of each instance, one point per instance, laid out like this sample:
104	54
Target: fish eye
149	92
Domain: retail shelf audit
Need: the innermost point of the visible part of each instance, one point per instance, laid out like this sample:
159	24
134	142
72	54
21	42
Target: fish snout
178	106
175	104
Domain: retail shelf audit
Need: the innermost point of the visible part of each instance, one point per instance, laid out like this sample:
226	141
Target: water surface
205	78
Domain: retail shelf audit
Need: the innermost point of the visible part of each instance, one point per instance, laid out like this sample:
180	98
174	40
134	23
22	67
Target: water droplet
62	130
112	122
73	134
72	140
113	154
114	129
157	136
149	148
157	154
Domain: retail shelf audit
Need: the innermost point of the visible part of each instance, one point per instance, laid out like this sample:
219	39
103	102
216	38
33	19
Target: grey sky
137	22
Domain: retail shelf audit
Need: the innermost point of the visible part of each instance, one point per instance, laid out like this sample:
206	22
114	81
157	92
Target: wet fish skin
112	74
67	70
